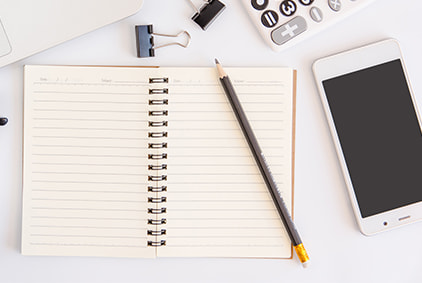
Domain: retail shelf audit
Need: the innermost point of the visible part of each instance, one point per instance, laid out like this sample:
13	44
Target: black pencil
262	165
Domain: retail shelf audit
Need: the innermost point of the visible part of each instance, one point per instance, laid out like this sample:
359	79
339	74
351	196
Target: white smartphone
377	133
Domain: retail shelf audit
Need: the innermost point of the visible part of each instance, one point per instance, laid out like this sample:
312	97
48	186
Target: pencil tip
216	61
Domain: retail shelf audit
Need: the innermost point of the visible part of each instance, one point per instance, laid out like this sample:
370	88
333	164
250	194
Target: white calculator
284	23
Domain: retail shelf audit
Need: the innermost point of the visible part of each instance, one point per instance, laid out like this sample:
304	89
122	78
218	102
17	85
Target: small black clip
3	121
207	13
145	41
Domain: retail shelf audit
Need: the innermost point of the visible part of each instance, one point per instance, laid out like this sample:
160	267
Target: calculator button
260	4
269	18
288	8
289	30
335	5
306	2
316	14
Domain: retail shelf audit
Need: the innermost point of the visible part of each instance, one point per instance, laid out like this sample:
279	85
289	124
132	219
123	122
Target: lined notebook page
85	165
217	202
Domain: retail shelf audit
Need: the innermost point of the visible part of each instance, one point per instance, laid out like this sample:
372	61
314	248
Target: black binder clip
207	13
3	121
145	40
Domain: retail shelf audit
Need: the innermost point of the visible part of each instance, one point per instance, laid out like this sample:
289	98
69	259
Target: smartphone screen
379	134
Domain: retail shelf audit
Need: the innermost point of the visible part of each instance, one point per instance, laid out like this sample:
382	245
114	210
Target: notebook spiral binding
157	166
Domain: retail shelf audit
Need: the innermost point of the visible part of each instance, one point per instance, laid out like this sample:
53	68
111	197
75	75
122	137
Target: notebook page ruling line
211	169
84	162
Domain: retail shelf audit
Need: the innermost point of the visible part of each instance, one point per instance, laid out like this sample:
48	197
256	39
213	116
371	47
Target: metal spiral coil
157	244
157	176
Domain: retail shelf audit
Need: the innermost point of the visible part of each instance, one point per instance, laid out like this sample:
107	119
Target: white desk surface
339	252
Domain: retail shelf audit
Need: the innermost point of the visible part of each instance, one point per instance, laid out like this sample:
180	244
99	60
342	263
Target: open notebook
146	162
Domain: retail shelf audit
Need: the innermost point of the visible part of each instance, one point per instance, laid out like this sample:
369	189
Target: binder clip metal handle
207	13
145	46
185	45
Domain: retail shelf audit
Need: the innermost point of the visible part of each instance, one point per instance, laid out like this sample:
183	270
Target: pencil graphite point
220	70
